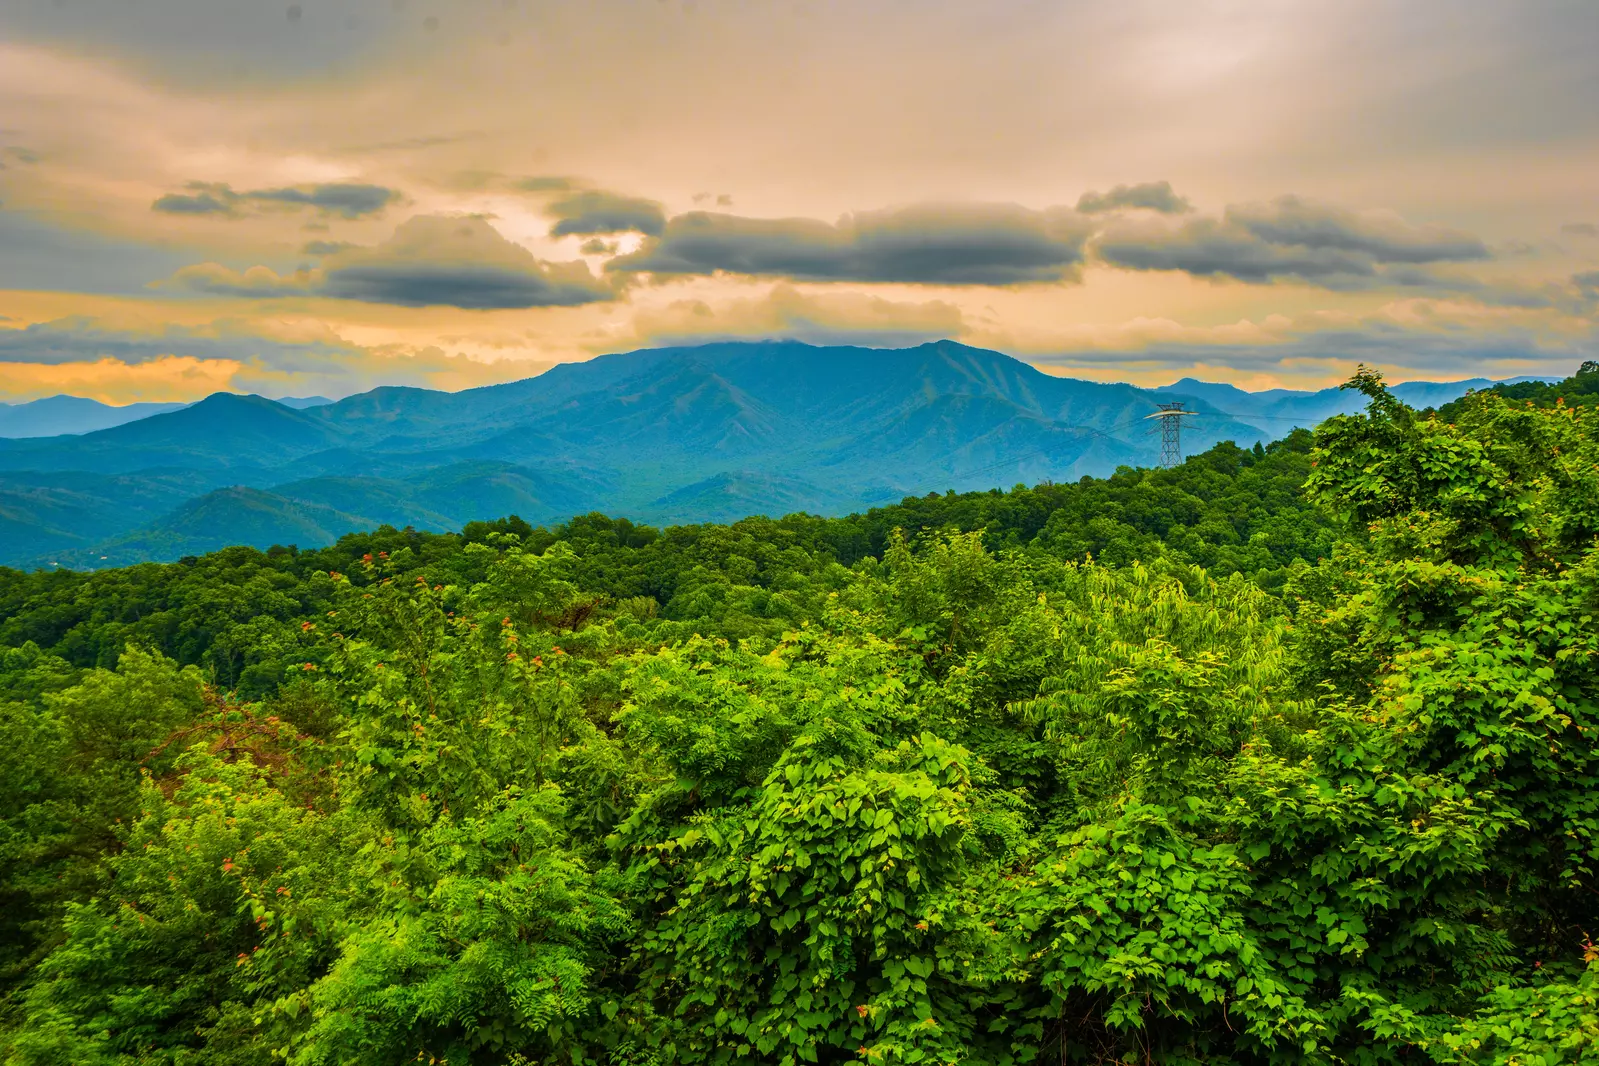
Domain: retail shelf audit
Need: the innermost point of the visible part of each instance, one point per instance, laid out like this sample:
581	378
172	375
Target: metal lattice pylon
1171	417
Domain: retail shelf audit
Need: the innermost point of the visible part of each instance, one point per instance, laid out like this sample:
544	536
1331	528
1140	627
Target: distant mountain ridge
56	416
676	434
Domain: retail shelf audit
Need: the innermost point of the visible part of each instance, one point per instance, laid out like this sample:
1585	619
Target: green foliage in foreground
1579	390
237	613
801	791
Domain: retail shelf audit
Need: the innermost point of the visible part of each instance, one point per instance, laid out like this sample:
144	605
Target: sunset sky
327	195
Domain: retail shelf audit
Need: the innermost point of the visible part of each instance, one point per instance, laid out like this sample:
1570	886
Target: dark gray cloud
595	212
1292	221
203	198
465	285
460	262
80	340
430	261
1588	279
345	199
595	246
981	244
547	183
1580	229
1151	196
324	247
1291	238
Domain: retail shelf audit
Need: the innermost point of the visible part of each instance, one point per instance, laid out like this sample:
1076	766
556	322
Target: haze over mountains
55	415
710	433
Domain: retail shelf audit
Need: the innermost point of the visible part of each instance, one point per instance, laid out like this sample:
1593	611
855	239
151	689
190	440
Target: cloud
1432	339
109	381
83	357
345	199
581	210
460	262
596	213
38	255
978	244
431	260
1293	238
1385	238
816	318
1151	196
1588	279
1334	353
203	198
547	183
324	247
1580	229
83	340
260	282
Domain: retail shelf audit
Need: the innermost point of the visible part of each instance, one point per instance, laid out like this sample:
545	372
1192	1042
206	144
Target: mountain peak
711	430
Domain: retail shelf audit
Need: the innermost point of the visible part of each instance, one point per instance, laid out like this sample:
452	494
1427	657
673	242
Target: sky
318	197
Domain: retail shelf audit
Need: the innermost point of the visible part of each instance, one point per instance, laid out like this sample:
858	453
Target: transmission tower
1171	417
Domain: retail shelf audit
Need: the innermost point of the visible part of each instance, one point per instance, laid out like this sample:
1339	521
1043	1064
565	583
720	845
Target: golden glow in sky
324	196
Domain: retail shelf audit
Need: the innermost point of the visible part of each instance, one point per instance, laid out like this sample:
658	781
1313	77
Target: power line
1171	417
1301	419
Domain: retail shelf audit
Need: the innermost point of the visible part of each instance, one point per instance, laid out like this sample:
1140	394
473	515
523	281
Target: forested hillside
711	433
1286	755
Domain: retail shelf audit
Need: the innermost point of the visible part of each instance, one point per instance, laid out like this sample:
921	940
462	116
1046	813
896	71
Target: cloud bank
345	200
594	213
1151	196
981	244
86	358
1291	238
430	261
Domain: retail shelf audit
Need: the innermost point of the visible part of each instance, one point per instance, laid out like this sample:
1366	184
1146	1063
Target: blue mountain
674	434
55	415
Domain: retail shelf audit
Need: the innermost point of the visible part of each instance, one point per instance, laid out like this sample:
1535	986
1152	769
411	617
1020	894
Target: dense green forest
1579	390
1286	755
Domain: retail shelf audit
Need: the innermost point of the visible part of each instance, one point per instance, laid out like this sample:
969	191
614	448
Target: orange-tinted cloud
1454	166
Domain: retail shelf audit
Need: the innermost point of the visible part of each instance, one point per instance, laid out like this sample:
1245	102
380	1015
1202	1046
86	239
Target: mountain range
56	415
708	433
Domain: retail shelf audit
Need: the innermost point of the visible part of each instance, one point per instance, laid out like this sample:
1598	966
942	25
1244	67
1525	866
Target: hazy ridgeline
707	434
1286	755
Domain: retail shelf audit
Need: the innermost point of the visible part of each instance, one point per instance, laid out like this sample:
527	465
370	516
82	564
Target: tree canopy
1282	756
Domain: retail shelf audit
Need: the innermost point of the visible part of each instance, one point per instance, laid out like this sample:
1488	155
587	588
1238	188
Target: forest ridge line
710	433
